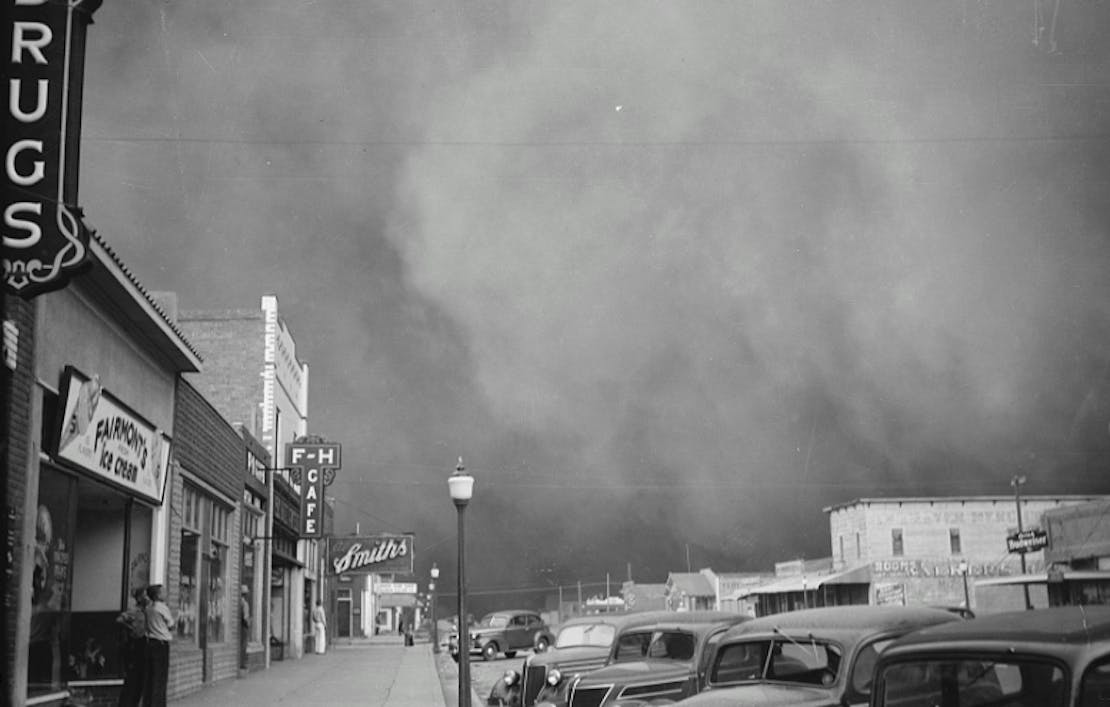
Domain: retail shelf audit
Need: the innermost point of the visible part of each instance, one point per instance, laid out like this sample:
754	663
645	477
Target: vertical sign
317	464
44	240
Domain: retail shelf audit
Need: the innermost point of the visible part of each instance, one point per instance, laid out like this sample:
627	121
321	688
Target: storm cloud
671	277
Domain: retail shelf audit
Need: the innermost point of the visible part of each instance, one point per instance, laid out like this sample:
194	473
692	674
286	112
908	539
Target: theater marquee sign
370	554
44	239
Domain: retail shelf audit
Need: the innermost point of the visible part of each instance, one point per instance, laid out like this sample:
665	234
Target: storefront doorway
82	580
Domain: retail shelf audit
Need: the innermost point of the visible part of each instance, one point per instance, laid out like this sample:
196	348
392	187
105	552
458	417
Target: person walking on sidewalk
320	627
134	651
159	633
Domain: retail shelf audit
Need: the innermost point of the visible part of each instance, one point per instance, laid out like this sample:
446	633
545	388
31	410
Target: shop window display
51	582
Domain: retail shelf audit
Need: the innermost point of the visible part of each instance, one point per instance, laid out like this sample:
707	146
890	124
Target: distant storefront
939	550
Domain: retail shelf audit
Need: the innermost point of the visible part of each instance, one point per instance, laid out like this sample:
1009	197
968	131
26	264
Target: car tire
541	643
510	654
489	651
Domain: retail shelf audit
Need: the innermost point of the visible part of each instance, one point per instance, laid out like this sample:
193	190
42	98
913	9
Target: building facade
205	551
254	377
923	550
96	425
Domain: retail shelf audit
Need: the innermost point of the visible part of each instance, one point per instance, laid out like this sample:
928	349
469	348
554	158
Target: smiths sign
373	554
44	240
1027	541
317	463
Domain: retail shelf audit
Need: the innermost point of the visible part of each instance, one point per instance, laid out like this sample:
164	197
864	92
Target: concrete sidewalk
376	672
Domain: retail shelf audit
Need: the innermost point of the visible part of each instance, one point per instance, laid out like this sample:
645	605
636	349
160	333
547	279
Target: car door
517	631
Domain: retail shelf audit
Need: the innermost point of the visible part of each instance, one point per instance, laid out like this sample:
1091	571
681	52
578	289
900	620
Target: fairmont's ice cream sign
44	239
372	554
105	438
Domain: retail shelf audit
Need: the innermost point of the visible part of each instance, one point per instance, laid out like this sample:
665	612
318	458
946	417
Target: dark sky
669	276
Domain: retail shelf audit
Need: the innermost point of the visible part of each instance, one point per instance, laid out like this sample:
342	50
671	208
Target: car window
518	621
534	622
671	645
739	662
633	646
1094	691
973	683
494	621
865	665
809	662
585	635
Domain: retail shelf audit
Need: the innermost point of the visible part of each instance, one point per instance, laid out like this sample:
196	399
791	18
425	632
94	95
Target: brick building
253	376
204	568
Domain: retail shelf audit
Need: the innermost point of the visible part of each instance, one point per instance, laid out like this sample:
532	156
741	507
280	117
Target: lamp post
461	486
1017	482
432	607
967	596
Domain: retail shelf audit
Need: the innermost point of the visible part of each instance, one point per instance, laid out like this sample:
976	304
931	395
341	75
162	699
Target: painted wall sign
932	568
44	240
104	437
317	463
371	554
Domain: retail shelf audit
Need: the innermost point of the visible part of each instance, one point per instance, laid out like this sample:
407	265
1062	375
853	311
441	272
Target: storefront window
203	598
218	575
252	572
49	652
187	600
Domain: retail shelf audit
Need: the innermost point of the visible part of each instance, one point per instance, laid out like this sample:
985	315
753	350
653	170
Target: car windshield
494	621
655	645
804	661
585	635
971	682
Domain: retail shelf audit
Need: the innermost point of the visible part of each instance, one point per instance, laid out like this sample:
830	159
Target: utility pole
1017	482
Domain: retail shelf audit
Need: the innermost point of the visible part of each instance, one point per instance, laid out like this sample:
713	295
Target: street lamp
1017	482
432	607
967	597
461	486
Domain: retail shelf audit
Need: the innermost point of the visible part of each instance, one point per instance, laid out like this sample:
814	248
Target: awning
783	586
856	575
1042	578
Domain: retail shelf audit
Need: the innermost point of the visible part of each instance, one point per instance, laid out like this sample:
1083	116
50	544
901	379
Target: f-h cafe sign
314	467
44	239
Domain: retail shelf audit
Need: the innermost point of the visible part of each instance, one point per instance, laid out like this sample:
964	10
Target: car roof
847	619
693	619
512	612
621	619
1069	625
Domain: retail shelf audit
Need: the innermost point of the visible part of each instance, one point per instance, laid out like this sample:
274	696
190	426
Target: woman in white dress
320	627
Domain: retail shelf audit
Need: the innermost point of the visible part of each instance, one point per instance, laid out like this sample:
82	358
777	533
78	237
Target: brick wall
206	444
18	451
209	448
231	343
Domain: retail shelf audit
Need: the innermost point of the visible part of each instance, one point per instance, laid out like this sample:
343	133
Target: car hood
637	670
764	695
569	656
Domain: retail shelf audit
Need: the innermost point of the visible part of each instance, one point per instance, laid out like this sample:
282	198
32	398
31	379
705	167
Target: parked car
1057	657
813	657
505	632
655	663
581	644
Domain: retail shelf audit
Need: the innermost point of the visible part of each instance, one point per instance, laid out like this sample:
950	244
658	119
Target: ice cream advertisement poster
104	437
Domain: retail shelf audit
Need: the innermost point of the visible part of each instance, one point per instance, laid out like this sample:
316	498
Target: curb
448	672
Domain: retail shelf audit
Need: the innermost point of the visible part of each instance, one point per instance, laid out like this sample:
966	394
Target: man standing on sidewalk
159	633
